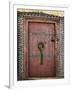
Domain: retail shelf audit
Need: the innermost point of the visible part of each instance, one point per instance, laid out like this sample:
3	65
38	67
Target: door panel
41	60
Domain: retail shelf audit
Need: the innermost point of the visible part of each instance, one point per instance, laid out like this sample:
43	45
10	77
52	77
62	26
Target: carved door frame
27	20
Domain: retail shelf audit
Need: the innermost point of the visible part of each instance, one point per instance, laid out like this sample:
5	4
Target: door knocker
41	48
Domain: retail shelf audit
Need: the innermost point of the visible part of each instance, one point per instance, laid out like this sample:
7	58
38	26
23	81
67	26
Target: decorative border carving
20	46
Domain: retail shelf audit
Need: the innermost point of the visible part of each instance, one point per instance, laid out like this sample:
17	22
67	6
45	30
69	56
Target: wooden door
41	49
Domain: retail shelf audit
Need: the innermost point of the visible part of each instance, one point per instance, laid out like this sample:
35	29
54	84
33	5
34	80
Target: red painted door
41	45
